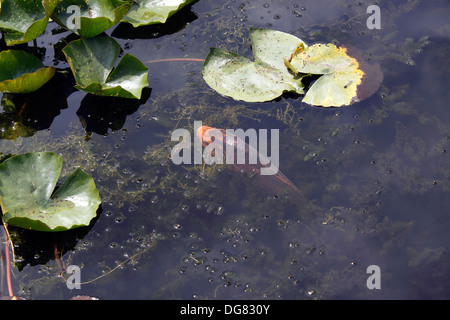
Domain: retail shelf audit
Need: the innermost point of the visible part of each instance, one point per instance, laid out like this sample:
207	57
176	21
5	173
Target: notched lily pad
146	12
92	63
24	20
22	72
340	78
260	80
90	18
27	199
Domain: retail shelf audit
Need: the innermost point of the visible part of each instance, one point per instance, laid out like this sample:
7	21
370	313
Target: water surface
376	173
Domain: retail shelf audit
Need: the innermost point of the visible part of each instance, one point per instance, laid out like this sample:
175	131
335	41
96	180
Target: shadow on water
32	112
101	114
37	248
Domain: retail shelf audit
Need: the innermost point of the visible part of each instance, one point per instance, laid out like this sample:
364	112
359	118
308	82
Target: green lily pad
340	78
92	62
22	72
260	80
24	20
146	12
94	16
27	199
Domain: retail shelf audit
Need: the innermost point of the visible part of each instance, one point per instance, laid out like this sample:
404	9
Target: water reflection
27	113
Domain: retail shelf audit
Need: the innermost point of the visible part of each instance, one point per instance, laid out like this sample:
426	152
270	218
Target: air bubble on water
177	226
118	220
139	239
220	210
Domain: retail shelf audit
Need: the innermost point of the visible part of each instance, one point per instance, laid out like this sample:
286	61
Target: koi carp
274	183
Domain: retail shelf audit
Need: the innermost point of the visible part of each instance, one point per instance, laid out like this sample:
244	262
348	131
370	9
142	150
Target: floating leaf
340	78
282	61
93	17
22	72
263	79
24	20
145	12
92	62
27	200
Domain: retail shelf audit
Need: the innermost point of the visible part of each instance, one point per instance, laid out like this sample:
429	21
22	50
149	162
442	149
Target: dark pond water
376	174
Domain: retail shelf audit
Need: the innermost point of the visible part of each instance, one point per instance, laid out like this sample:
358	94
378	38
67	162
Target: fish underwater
274	185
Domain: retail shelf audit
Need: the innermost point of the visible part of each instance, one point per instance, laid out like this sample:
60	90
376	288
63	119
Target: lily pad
282	61
24	20
93	17
146	12
260	80
340	78
92	62
22	72
27	199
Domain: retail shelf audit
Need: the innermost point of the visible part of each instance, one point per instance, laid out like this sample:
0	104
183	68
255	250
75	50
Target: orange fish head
202	134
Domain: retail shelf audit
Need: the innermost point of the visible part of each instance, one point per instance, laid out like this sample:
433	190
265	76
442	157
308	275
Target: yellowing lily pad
340	78
282	62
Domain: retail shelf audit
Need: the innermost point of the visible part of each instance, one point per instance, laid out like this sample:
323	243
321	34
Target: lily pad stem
175	59
8	270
